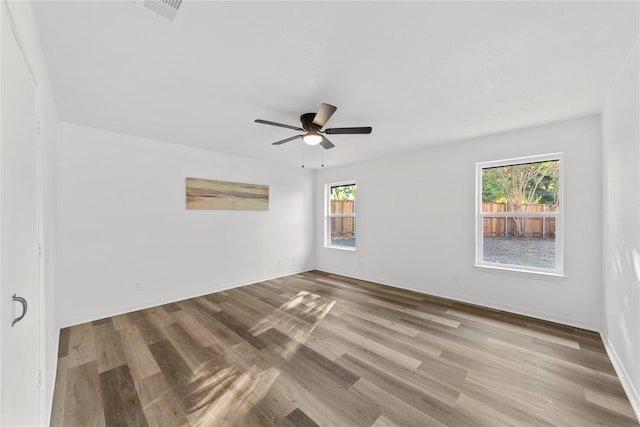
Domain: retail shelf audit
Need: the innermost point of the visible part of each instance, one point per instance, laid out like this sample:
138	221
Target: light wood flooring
320	349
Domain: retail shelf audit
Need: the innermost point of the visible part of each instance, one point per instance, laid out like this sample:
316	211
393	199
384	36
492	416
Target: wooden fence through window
530	227
342	228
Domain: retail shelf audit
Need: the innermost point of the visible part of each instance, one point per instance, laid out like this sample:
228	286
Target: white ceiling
420	73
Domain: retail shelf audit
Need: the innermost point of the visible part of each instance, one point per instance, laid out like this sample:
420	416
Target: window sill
341	248
539	275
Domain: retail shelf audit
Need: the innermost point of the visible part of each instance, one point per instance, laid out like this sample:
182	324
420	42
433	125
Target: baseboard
175	298
632	392
475	301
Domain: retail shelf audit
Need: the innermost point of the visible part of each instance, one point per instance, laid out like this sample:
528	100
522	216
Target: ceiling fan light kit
312	139
312	124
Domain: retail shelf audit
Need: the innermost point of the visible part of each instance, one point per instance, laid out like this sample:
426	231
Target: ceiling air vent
165	8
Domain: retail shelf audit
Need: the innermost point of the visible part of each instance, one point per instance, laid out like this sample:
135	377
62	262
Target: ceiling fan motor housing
307	122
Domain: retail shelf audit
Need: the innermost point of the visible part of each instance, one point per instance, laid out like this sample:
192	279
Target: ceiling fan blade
287	140
359	130
326	144
267	122
323	114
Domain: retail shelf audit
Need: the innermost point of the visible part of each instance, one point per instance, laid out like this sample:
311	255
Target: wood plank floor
317	349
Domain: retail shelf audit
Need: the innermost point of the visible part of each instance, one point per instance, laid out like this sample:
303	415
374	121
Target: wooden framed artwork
224	195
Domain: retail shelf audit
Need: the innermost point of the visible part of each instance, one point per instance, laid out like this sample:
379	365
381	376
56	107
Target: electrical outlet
293	260
138	286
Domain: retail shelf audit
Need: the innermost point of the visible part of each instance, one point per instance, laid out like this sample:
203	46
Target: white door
19	346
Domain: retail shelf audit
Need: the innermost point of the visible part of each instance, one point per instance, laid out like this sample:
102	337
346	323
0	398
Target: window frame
558	271
328	215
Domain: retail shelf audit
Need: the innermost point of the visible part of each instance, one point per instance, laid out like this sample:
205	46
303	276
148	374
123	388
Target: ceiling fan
312	124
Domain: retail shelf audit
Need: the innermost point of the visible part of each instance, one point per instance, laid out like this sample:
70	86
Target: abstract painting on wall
223	195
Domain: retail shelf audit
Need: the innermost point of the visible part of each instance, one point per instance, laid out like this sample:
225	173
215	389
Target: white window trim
542	272
328	215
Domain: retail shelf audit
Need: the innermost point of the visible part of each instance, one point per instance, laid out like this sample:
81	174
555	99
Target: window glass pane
527	187
342	207
343	232
527	241
534	247
343	198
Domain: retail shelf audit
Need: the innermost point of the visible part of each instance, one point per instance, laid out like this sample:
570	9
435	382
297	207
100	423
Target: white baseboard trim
174	298
476	301
632	392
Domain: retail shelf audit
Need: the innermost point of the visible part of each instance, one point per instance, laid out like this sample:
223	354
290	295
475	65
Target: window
519	214
341	215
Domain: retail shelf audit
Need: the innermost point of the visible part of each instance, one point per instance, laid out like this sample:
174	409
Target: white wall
27	30
123	220
416	223
621	226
